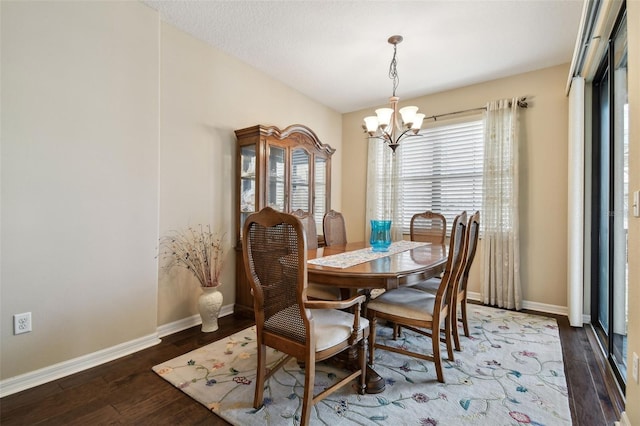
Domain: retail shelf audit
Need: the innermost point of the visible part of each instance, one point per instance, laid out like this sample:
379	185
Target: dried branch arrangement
200	251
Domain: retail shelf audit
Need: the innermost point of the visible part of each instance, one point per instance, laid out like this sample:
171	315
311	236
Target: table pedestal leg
375	383
348	359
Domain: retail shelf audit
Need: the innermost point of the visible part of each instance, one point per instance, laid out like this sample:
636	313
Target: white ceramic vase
209	305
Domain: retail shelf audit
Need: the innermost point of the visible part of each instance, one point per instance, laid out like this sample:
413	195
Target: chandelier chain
393	70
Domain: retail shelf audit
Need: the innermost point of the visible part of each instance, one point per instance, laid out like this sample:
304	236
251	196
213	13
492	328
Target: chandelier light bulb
417	123
408	114
384	116
371	124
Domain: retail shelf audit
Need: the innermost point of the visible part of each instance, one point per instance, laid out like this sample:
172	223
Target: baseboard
624	420
183	324
544	307
57	371
474	296
534	306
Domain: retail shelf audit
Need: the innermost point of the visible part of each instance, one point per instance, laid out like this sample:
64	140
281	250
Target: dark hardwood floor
126	391
592	399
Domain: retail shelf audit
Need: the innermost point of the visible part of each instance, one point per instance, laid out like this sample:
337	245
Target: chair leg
307	395
372	338
463	310
260	374
396	331
448	337
454	325
435	342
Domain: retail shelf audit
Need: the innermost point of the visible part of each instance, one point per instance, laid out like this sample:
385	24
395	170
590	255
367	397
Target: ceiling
336	52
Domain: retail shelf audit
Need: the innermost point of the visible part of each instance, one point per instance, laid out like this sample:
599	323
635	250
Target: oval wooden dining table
398	269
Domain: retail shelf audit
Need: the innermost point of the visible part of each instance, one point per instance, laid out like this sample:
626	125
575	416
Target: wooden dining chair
309	223
315	291
460	292
275	257
334	229
428	227
420	311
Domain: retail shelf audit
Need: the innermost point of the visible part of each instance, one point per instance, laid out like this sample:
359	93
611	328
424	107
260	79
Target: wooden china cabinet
287	170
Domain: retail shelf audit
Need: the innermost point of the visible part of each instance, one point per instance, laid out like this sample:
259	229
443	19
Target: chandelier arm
402	135
384	137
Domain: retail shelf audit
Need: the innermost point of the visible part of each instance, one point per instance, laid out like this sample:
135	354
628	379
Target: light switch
636	203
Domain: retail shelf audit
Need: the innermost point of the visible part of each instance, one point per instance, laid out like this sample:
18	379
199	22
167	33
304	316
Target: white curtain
500	228
384	192
575	210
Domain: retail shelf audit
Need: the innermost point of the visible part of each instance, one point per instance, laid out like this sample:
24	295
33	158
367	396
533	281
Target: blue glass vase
380	235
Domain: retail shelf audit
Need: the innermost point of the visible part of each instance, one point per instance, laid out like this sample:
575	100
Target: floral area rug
509	372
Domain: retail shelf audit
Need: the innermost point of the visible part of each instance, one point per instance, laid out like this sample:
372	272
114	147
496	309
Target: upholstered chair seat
331	326
405	302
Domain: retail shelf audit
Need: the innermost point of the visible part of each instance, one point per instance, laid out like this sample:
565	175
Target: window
442	169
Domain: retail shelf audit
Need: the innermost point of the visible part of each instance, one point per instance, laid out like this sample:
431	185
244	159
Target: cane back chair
334	228
315	291
275	257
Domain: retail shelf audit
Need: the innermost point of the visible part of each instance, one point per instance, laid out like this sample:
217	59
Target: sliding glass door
610	208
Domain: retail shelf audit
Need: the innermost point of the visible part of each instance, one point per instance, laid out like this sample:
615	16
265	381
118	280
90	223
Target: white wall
79	178
115	128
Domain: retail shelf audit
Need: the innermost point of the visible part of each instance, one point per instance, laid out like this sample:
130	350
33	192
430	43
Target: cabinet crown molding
289	131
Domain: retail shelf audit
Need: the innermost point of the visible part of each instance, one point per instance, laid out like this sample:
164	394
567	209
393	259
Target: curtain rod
521	103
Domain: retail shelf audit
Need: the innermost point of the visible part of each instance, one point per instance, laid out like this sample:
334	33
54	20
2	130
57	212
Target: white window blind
442	170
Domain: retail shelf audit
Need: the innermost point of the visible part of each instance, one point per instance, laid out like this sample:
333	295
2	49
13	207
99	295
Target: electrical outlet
635	367
22	323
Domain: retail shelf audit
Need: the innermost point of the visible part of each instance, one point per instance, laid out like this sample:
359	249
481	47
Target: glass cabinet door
300	180
276	178
247	181
320	200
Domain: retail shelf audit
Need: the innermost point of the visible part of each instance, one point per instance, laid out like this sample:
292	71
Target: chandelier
387	125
